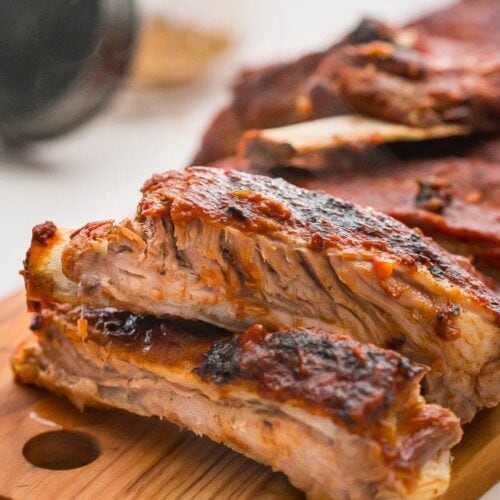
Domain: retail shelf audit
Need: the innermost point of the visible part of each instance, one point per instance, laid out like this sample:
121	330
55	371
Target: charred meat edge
403	452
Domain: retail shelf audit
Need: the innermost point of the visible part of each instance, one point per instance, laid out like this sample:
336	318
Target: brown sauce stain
59	413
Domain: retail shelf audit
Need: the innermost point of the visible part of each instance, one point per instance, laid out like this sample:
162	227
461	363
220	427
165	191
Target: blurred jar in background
179	40
60	61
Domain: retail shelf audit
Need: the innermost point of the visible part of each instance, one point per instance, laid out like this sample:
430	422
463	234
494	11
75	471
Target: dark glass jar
60	61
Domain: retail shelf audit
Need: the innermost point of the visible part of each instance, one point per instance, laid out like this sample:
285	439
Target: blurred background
185	55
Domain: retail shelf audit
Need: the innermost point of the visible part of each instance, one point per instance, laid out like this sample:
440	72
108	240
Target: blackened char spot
355	383
42	233
434	195
36	322
221	363
369	30
236	212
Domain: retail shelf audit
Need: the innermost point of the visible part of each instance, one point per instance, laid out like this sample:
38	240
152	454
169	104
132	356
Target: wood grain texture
147	458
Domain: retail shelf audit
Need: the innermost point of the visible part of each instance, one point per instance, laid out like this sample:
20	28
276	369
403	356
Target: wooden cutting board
147	458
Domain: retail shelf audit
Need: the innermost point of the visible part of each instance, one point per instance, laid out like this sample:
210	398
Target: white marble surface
95	172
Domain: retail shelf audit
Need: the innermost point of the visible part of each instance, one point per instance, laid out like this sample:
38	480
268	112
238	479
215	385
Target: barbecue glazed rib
439	69
341	419
235	249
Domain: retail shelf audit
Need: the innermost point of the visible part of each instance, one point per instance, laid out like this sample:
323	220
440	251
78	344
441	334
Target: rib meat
425	82
341	419
235	249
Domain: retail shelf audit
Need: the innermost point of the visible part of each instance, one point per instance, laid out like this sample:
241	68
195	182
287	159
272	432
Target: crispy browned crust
312	458
331	374
410	86
450	198
42	236
355	385
376	75
258	204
